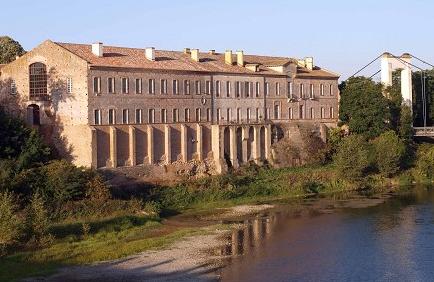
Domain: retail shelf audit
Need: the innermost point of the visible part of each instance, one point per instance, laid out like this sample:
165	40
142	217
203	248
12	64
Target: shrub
10	223
389	150
39	222
352	157
425	160
97	190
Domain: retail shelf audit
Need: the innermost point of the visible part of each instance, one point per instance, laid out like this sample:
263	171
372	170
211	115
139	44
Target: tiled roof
178	60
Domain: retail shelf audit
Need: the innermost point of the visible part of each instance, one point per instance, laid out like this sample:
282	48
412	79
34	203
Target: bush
352	157
389	150
425	160
38	222
10	223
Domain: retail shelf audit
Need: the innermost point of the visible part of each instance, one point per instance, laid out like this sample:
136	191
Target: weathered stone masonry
112	106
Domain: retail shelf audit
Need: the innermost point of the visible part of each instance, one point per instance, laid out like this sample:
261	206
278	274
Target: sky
342	36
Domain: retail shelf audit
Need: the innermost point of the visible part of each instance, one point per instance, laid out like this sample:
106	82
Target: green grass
111	242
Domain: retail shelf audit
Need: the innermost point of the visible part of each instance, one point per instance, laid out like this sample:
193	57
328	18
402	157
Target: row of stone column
132	149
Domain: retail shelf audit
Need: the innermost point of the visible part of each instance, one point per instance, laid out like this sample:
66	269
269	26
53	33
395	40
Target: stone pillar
244	141
386	69
233	146
94	133
199	142
113	147
406	81
167	144
150	137
217	148
256	147
184	144
268	142
132	145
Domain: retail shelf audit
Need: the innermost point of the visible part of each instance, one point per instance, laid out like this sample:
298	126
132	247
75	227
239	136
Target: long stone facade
111	107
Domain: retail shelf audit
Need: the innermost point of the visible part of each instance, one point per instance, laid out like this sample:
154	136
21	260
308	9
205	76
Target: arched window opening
38	80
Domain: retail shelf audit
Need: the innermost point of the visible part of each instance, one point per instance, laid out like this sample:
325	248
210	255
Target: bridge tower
390	63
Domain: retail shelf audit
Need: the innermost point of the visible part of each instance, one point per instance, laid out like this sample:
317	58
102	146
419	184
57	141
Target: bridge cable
425	62
365	66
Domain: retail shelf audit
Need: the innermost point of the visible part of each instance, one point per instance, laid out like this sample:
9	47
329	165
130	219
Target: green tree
39	222
352	157
425	160
10	222
33	152
405	125
363	107
389	151
9	49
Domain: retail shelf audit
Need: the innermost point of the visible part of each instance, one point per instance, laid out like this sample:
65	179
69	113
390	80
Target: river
386	238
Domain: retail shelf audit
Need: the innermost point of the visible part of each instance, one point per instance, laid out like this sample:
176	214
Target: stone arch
239	135
33	114
226	146
262	143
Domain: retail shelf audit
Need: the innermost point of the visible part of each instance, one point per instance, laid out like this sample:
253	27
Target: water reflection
351	238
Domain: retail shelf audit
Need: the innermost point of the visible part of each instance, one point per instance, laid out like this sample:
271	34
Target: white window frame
228	89
187	115
197	87
139	83
217	88
125	85
290	90
321	89
151	115
175	115
198	114
125	116
111	115
97	117
151	86
97	86
163	116
208	89
266	88
139	116
111	82
175	86
187	87
277	89
163	86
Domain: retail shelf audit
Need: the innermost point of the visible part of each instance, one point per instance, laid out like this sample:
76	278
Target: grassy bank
89	240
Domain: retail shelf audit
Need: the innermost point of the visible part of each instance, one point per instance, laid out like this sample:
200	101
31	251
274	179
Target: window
139	118
125	117
111	116
290	114
208	87
69	85
175	88
276	111
248	116
163	116
138	86
219	115
321	87
332	112
229	114
301	90
175	115
38	79
96	85
187	115
198	113
238	89
277	89
238	115
266	88
124	85
97	117
247	88
111	85
331	90
312	113
151	115
258	89
151	86
13	87
217	88
228	89
163	89
258	114
208	114
267	113
301	112
197	87
187	87
290	91
322	112
312	92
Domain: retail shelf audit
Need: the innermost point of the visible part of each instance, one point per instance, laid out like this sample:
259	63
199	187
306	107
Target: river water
386	238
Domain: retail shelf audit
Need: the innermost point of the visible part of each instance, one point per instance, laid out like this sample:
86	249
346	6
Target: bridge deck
424	131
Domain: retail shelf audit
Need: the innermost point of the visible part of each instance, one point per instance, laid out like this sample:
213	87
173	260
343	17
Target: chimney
228	57
309	63
240	58
253	67
186	50
195	55
150	53
98	49
211	52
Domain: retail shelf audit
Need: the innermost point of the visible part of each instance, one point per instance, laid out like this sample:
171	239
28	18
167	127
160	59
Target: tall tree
9	49
363	107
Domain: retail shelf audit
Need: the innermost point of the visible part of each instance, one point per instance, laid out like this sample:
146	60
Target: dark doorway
33	115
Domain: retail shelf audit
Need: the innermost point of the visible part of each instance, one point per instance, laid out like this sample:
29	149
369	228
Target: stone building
106	106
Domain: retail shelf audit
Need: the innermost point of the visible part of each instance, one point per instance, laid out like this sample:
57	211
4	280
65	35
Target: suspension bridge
389	63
